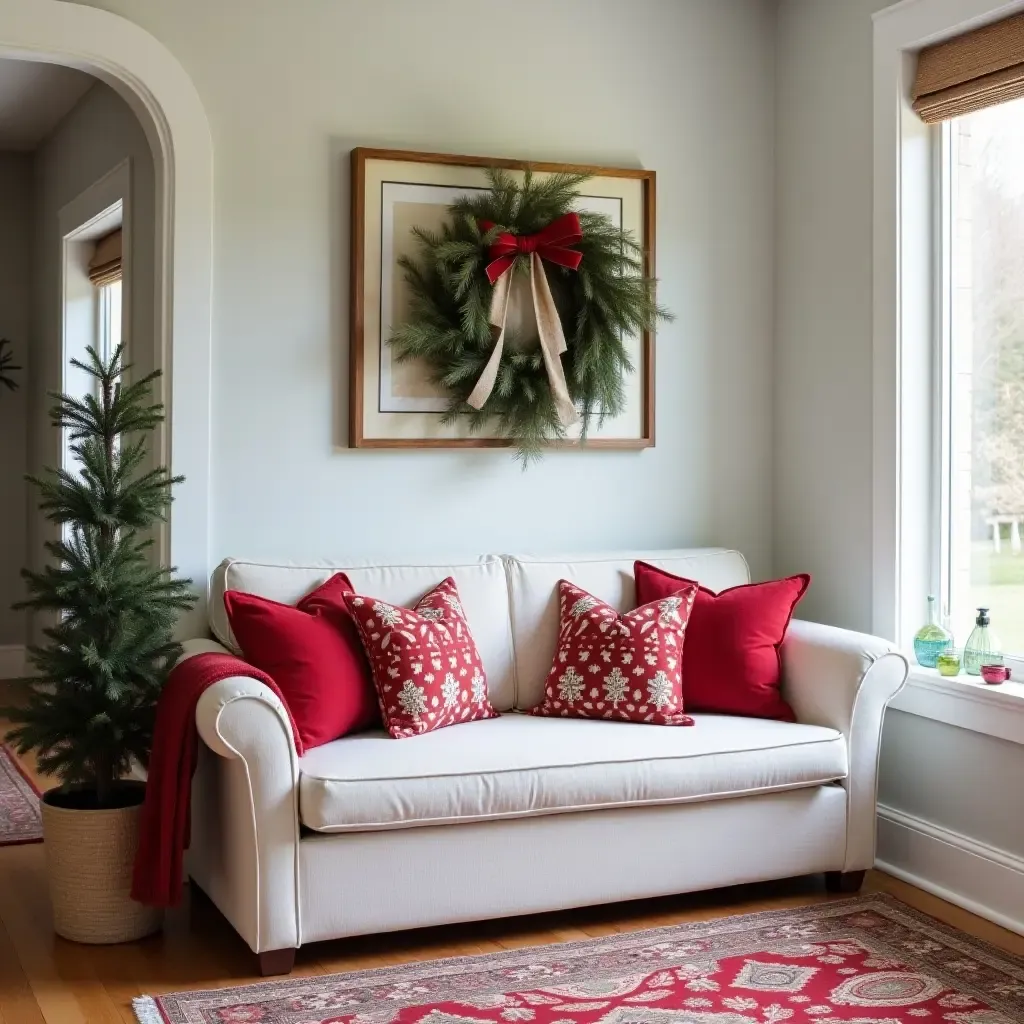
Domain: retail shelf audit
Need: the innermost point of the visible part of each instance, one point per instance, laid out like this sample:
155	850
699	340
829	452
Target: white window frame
942	454
105	315
161	94
947	171
910	329
102	207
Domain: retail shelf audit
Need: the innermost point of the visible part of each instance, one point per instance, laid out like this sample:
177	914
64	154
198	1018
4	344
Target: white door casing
160	93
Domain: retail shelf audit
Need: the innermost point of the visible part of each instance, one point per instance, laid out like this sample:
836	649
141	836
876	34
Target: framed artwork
394	404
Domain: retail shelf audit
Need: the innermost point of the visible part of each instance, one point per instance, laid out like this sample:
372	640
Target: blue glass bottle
931	639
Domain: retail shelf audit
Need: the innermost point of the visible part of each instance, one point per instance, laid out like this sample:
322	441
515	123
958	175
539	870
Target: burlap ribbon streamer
552	341
553	243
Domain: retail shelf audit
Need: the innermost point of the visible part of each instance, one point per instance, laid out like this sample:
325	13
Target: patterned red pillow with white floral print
426	668
627	667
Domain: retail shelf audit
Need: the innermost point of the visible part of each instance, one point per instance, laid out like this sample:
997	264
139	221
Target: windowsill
966	702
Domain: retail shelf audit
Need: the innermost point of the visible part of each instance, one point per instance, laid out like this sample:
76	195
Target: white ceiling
33	99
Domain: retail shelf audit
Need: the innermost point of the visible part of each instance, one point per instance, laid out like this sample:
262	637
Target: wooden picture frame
382	423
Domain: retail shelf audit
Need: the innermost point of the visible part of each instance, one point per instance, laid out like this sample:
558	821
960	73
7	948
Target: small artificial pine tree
92	703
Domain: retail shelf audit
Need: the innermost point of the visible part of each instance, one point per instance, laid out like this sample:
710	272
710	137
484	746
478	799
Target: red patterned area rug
19	804
865	960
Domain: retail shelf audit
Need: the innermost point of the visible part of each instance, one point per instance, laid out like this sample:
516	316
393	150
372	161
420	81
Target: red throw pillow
626	667
313	653
426	668
732	664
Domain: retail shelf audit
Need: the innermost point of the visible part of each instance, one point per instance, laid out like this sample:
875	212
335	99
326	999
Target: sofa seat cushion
518	765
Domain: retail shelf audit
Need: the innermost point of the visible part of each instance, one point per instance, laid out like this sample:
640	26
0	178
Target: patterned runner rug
866	960
19	804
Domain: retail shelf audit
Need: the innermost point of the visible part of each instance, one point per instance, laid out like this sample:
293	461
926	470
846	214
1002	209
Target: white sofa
518	814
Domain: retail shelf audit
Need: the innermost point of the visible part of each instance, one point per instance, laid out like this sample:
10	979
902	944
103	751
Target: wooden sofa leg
276	961
844	881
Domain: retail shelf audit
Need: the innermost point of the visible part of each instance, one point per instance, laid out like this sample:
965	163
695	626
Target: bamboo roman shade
105	265
976	70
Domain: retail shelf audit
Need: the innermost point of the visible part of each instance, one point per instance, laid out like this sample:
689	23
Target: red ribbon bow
550	243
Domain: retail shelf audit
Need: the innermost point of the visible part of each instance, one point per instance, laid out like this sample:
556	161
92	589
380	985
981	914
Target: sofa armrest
190	648
844	680
245	822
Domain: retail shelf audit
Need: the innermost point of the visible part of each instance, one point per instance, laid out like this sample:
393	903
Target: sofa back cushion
533	598
481	584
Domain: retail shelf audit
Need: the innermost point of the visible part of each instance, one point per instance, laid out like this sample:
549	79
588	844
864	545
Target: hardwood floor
46	979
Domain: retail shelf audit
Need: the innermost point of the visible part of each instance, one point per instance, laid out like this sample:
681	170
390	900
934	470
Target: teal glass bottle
931	639
982	647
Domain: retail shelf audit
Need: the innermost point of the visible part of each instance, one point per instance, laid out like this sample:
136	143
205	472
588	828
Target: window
105	271
981	371
92	301
108	310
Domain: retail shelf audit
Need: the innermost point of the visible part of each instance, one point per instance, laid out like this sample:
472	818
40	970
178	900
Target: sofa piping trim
286	729
574	808
878	749
697	553
585	764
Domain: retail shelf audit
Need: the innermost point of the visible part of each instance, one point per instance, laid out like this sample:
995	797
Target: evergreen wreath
604	300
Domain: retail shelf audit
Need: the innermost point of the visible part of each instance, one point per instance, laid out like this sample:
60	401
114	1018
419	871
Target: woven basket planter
89	856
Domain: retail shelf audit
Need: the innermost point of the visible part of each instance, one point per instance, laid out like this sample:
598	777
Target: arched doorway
162	96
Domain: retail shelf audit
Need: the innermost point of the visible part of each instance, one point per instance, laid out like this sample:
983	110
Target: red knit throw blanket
164	832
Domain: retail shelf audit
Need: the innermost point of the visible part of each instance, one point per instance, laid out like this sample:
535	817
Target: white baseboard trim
13	661
983	879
